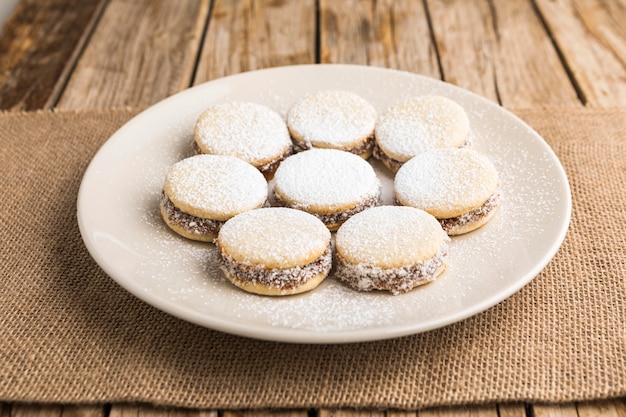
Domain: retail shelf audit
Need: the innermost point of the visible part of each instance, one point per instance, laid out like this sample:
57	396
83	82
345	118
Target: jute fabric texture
68	333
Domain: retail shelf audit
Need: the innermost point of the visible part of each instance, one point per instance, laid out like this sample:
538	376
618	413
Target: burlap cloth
68	333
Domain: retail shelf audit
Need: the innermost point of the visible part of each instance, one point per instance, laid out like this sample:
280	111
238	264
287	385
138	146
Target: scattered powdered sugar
215	186
247	130
331	307
325	179
420	124
332	118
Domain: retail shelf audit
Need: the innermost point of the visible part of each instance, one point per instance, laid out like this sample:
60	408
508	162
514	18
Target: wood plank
40	43
591	35
512	410
603	408
75	410
387	33
141	52
36	410
466	411
350	413
245	35
501	51
132	410
397	413
265	413
5	409
554	410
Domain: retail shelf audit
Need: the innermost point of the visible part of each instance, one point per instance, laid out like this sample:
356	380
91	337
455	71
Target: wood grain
141	52
386	33
253	34
265	413
501	51
130	410
591	35
350	413
606	408
554	410
39	45
511	410
468	411
36	410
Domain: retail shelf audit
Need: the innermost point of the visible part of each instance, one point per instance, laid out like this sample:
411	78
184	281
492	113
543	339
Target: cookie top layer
247	130
325	181
420	124
446	182
275	237
215	187
390	237
332	119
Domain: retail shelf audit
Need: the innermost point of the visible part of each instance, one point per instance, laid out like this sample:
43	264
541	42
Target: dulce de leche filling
361	148
196	225
399	280
451	224
282	279
268	169
335	218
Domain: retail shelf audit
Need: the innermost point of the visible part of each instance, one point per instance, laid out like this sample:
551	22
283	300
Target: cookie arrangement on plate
278	241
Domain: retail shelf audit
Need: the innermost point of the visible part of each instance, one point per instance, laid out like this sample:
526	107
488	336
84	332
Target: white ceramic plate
119	218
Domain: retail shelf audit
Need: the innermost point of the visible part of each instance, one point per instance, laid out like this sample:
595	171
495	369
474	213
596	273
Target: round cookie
203	191
460	187
330	184
247	130
417	125
390	248
275	251
333	119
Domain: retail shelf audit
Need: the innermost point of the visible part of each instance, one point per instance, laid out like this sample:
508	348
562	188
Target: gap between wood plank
64	78
568	70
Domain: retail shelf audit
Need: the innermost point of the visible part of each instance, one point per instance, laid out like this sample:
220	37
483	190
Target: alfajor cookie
203	191
330	184
417	125
275	251
246	130
335	119
390	248
460	187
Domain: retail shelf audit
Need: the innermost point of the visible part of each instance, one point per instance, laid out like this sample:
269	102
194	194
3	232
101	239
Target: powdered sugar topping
326	179
275	237
420	124
390	237
215	186
332	118
247	130
446	182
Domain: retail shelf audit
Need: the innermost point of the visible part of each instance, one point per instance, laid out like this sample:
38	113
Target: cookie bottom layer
274	281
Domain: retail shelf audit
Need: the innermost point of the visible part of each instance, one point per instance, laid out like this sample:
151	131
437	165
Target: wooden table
84	54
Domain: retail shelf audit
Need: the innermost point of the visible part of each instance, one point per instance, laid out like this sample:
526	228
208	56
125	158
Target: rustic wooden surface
117	53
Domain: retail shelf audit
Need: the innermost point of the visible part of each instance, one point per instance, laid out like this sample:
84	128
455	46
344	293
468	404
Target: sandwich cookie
417	125
203	191
460	187
333	119
390	248
246	130
330	184
275	251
